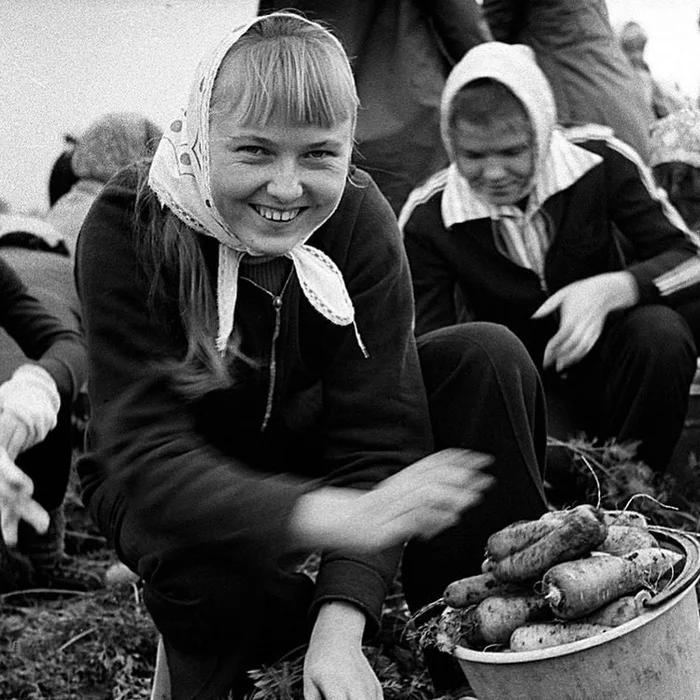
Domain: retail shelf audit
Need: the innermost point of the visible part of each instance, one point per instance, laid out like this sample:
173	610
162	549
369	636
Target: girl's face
497	159
275	183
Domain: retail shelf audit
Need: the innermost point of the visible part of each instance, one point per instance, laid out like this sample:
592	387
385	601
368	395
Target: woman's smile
277	215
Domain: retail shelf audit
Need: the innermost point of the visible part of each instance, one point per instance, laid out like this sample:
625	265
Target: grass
101	645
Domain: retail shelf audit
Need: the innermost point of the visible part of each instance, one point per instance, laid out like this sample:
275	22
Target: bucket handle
691	569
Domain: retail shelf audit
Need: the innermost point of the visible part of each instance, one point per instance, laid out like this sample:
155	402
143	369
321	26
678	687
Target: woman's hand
335	668
16	502
29	405
583	307
419	501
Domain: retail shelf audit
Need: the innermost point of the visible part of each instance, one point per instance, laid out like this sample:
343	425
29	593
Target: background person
108	144
675	161
570	244
39	386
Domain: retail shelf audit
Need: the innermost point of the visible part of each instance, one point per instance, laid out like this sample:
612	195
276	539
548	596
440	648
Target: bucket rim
518	657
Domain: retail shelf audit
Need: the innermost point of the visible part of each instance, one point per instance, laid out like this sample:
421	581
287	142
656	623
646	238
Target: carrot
619	611
473	589
576	588
541	635
625	517
622	539
519	535
487	565
653	562
493	620
581	531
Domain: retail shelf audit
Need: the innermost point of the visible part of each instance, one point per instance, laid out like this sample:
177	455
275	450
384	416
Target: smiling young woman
257	391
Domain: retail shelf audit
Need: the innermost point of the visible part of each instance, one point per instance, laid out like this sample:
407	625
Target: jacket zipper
277	306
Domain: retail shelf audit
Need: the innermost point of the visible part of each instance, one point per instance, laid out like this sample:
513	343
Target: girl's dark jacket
206	478
611	218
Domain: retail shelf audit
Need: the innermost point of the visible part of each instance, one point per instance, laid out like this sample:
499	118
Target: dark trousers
48	463
633	386
484	394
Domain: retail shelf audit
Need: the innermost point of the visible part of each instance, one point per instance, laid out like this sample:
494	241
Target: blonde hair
285	68
282	68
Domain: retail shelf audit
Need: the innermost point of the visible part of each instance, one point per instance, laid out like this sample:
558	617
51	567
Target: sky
65	62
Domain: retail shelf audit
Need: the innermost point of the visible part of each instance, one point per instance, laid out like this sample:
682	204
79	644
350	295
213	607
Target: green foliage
611	476
93	645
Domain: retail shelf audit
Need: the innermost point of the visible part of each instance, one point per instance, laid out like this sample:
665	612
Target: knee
658	334
488	346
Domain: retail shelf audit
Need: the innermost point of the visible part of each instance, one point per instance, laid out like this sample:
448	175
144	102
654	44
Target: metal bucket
655	656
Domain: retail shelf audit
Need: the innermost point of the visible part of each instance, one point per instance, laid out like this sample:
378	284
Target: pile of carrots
570	575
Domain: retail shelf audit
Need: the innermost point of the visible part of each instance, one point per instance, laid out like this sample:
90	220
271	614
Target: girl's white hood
513	65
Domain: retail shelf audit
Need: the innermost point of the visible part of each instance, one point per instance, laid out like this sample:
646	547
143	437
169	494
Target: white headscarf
180	176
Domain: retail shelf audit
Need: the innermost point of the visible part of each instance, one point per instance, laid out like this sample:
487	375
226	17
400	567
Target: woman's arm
41	336
666	264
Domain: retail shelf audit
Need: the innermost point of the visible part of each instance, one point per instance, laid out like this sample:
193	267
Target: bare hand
335	666
583	308
421	500
16	503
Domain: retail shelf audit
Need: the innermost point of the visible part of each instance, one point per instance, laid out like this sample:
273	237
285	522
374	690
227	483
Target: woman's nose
285	182
493	169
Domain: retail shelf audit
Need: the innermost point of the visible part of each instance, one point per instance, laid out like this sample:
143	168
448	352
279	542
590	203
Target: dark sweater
206	476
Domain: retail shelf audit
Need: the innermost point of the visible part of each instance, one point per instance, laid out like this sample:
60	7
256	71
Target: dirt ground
101	645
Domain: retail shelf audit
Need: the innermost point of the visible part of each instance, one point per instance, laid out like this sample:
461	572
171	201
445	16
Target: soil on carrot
101	645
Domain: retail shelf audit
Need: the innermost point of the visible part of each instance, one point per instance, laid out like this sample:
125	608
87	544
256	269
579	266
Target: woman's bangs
292	84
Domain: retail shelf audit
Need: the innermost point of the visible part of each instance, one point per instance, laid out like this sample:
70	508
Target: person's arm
505	18
666	266
434	282
369	438
41	336
378	426
459	25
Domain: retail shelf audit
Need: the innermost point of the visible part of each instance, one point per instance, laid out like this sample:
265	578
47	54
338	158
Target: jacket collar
565	164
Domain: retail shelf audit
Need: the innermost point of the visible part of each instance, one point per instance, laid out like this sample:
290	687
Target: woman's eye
318	154
252	150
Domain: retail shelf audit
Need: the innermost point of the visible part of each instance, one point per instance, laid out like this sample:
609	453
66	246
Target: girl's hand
29	405
16	502
335	668
583	308
419	501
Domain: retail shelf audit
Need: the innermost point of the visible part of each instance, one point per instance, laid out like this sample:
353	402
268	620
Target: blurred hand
421	500
583	307
16	503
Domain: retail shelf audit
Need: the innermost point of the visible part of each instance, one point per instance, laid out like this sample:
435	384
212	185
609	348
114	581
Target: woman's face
497	159
274	184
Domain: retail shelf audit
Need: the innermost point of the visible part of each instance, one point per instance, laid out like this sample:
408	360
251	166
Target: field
101	645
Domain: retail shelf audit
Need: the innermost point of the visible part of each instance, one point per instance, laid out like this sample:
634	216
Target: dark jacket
609	219
205	477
